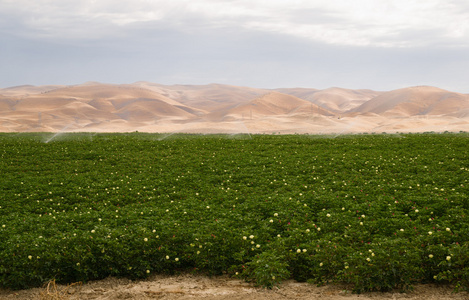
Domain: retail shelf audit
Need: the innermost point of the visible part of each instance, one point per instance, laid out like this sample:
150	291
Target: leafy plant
305	207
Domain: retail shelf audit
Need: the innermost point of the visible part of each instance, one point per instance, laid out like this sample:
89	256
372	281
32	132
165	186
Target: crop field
377	212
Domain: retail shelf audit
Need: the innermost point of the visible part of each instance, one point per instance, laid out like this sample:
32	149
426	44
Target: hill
276	104
413	101
221	108
334	99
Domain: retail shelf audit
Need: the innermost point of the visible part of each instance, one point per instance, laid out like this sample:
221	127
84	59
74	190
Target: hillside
220	108
412	101
335	99
276	104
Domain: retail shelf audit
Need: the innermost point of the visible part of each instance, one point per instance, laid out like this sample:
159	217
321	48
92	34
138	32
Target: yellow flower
430	255
448	258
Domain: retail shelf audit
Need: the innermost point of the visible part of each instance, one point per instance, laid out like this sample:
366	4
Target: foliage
379	212
267	269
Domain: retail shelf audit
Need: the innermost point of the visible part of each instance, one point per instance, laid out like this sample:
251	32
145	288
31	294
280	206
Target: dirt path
200	287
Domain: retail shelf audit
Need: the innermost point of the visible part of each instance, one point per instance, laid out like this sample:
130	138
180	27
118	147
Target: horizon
227	84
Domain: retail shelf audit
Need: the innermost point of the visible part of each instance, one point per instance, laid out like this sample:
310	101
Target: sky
379	45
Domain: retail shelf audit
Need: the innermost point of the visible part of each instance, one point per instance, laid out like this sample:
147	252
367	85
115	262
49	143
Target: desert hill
24	90
337	100
413	101
275	104
209	97
218	108
90	103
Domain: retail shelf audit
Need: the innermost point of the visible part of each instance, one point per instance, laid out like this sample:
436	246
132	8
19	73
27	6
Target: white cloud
363	43
385	23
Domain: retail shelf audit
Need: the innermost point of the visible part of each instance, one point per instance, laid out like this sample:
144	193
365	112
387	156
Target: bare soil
215	288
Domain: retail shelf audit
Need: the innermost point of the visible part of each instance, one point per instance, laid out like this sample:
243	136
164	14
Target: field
377	212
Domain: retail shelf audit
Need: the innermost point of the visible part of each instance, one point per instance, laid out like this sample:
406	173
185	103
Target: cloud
267	43
385	23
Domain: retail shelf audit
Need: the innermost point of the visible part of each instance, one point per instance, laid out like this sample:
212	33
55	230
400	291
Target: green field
378	212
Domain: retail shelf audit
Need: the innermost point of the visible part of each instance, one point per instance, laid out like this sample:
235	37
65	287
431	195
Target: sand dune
218	108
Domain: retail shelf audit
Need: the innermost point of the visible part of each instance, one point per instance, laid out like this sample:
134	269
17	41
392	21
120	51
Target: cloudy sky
381	45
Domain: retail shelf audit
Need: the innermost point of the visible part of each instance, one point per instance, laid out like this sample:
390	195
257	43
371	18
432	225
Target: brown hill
421	100
24	90
217	108
334	99
276	104
90	103
211	97
144	109
118	93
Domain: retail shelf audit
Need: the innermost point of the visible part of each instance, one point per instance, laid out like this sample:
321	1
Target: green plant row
378	212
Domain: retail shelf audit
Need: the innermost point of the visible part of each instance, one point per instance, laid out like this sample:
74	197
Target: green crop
378	212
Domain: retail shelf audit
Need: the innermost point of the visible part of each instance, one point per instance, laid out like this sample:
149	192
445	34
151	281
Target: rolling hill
214	108
276	104
413	101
